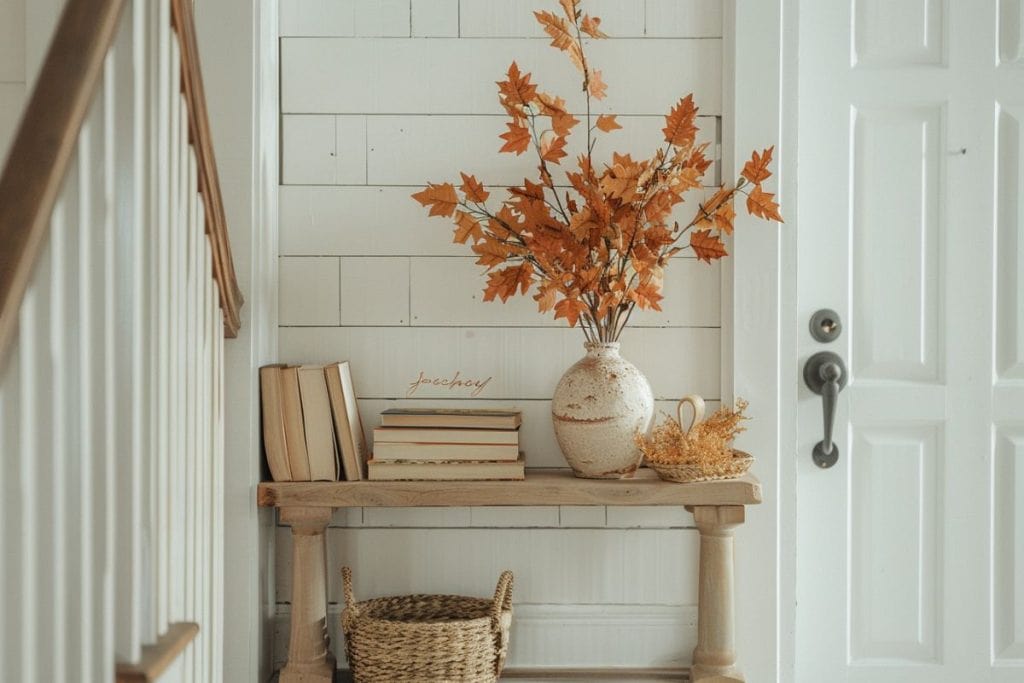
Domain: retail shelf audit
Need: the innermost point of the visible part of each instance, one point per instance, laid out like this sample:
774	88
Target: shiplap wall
380	96
12	70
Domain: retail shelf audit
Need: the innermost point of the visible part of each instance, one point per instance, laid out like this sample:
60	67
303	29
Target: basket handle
502	598
346	584
697	403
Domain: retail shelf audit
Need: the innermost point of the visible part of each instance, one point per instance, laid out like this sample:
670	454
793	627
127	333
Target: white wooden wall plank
359	221
514	18
309	293
677	361
375	291
691	297
448	144
330	75
435	18
379	18
584	636
684	18
324	150
585	566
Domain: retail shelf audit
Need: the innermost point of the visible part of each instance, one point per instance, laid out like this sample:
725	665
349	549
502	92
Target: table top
541	487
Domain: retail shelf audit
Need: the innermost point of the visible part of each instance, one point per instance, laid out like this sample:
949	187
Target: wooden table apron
718	507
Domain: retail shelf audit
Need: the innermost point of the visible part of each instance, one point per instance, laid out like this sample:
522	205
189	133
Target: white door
911	162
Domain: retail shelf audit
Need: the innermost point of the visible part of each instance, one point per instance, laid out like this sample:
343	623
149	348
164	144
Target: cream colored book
274	443
316	416
447	471
345	410
294	429
438	435
444	452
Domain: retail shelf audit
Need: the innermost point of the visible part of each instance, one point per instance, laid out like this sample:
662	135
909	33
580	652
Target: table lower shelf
541	487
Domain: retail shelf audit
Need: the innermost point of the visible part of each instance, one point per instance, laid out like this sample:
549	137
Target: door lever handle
825	375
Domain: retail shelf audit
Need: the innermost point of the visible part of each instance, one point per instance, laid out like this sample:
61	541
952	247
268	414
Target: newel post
309	656
714	658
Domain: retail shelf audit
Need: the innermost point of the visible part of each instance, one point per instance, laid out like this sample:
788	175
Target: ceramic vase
598	407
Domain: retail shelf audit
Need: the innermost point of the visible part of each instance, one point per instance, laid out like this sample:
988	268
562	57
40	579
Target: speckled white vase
599	405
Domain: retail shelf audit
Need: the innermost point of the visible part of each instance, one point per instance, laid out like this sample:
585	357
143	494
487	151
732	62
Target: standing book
294	429
348	425
316	417
274	441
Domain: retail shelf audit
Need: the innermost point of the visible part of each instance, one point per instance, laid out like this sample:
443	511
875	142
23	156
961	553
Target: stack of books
439	445
311	425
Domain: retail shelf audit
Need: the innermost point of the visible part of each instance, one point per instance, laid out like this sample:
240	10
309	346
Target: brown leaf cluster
595	252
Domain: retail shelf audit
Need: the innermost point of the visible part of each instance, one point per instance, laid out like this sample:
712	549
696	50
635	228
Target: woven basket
427	638
688	473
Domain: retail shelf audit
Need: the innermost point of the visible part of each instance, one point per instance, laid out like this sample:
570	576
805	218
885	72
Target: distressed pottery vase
599	405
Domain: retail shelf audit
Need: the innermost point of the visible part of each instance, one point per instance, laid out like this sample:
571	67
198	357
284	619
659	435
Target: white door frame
760	110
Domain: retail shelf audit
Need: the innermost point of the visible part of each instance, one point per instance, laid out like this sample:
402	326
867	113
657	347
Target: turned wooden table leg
714	658
309	656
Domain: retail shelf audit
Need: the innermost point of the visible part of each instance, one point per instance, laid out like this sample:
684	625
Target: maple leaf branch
545	175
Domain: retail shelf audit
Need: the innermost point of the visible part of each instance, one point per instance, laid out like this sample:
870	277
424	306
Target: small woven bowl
687	473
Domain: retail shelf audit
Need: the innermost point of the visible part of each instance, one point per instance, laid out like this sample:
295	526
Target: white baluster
11	537
37	598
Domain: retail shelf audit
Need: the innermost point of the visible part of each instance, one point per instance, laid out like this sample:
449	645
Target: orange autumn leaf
706	246
680	127
441	199
592	26
569	7
473	189
596	85
607	123
491	252
570	309
723	217
561	36
552	147
503	283
467	226
762	204
647	295
545	297
517	89
517	139
756	170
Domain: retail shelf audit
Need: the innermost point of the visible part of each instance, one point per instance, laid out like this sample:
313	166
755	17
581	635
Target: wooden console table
717	507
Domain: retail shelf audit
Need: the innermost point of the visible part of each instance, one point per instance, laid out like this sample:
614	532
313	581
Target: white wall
240	78
376	99
12	70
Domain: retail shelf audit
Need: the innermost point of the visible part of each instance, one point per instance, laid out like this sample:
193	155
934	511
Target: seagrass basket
687	473
427	638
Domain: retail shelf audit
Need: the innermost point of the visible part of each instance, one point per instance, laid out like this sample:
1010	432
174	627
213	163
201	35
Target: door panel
911	173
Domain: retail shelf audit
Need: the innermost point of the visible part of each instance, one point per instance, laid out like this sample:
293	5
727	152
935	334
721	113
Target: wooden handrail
209	183
156	658
45	142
